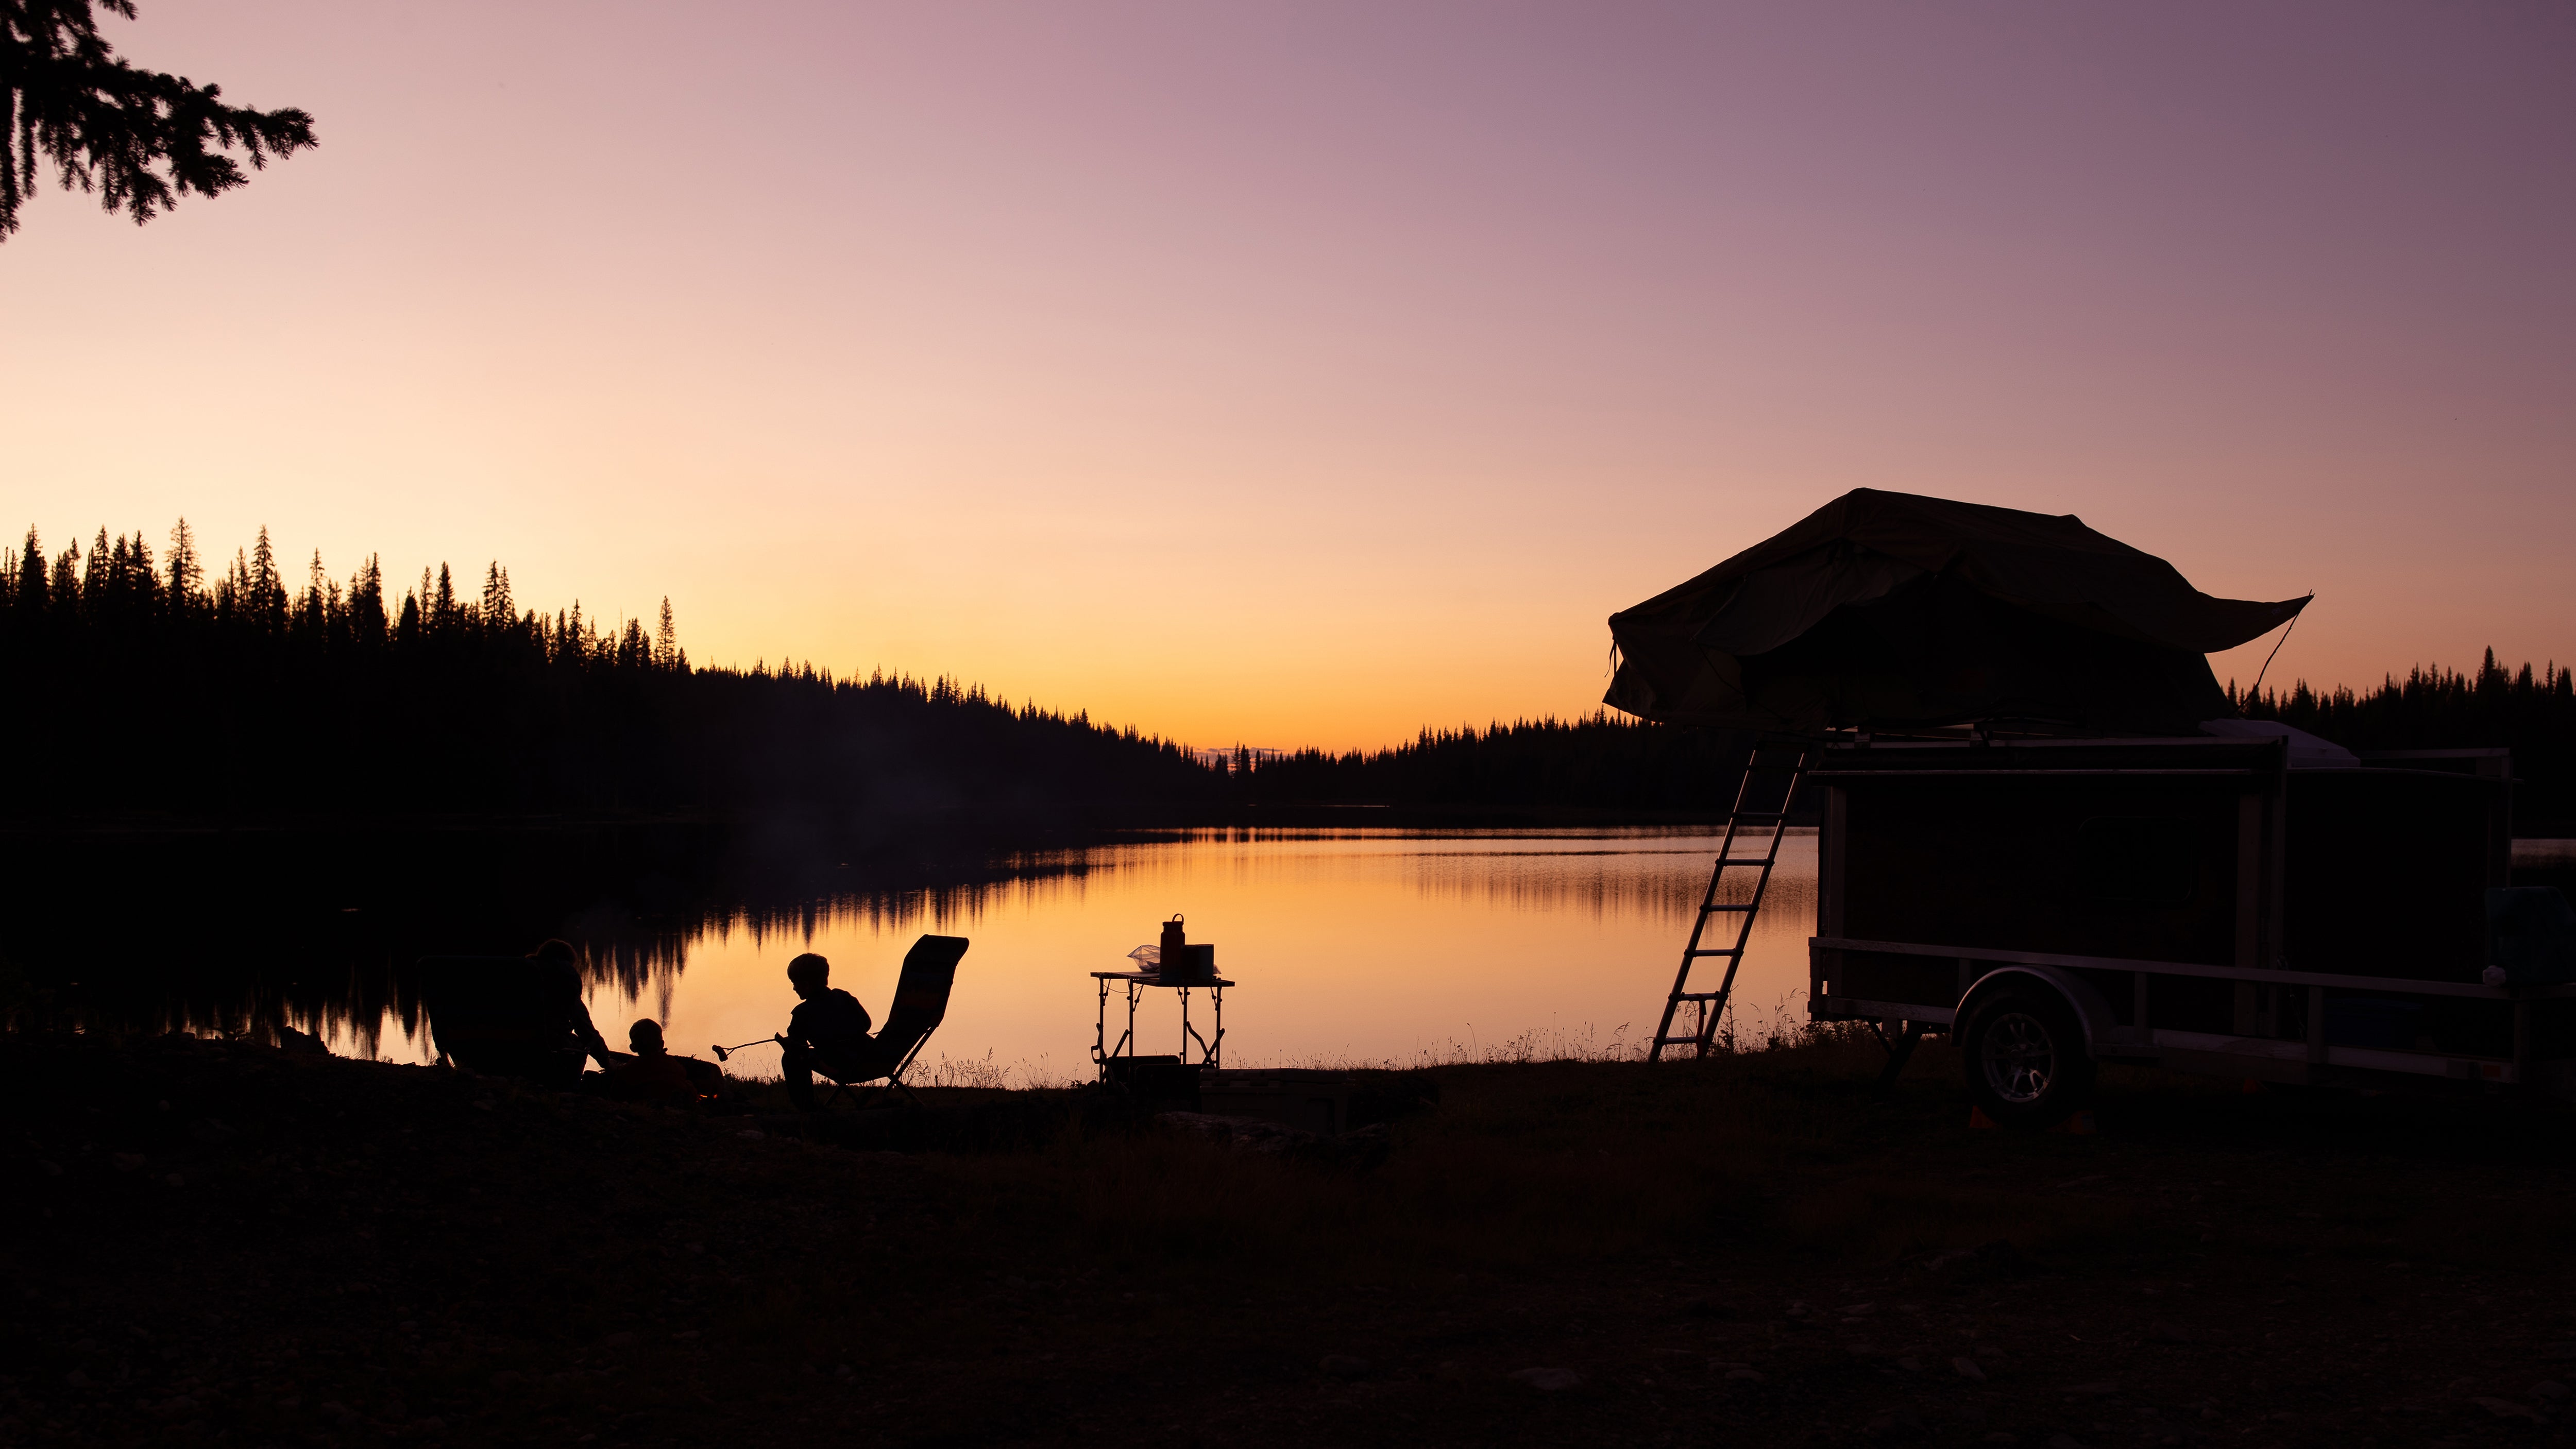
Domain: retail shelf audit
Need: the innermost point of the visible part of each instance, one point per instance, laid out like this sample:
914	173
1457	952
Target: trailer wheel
2027	1061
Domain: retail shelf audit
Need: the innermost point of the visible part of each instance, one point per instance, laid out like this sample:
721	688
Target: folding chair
920	1003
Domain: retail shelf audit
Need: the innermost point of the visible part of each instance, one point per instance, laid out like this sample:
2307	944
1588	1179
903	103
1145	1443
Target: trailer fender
2102	1031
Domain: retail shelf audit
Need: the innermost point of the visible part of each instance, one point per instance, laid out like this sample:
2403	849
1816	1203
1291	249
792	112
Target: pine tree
187	573
367	604
64	600
313	611
266	589
30	593
666	639
497	609
140	139
232	588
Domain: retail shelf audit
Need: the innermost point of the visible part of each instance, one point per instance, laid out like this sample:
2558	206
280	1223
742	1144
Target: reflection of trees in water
627	956
216	944
244	942
900	908
1658	884
218	993
252	930
636	957
319	978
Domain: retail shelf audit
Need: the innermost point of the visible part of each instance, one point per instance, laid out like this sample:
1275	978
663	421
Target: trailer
2047	831
2209	905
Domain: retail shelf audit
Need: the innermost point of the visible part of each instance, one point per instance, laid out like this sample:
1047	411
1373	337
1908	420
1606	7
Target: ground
222	1243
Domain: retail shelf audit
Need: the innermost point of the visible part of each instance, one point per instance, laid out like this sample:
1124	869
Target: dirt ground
224	1244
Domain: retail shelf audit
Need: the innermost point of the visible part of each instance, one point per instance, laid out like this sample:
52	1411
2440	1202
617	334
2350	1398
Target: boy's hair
810	968
644	1033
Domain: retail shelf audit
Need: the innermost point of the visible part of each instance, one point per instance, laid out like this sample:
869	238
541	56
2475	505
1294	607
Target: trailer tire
2027	1061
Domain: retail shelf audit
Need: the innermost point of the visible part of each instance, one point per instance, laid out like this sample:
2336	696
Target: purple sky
1307	374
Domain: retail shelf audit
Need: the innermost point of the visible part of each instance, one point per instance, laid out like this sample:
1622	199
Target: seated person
654	1075
560	973
827	1031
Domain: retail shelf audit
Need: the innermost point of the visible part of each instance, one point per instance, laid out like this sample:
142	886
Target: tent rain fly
1892	611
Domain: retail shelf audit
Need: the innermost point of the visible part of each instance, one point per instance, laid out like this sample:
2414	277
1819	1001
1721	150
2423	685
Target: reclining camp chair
920	1003
501	1016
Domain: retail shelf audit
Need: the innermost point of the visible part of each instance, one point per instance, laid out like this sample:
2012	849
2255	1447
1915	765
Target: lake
1346	947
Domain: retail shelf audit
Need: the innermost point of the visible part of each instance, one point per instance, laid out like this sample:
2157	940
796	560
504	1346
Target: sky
1311	374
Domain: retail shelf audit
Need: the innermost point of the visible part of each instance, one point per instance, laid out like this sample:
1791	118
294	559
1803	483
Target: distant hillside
1598	763
141	687
1606	763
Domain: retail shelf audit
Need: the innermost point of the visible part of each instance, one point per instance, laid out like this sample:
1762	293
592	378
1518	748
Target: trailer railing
2255	1055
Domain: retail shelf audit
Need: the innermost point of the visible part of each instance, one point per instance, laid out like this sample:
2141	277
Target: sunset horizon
1311	378
296	572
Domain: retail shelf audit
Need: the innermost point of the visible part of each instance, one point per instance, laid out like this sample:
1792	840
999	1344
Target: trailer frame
2281	1011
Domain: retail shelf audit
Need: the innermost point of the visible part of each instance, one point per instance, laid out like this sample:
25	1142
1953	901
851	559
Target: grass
452	1261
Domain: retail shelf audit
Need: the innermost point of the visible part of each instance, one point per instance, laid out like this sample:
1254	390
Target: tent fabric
1892	610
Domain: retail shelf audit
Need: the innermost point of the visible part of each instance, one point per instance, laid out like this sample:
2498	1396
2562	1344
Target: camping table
1137	981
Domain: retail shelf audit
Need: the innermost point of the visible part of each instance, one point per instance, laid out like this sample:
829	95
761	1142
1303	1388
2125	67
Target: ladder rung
1748	823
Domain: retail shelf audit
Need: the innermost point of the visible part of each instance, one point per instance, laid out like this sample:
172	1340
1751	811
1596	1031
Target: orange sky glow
1306	375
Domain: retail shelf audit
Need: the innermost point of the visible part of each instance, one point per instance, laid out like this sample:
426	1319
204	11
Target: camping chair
920	1002
499	1015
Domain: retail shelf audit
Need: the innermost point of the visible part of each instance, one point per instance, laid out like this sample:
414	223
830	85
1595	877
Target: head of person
559	958
809	974
644	1038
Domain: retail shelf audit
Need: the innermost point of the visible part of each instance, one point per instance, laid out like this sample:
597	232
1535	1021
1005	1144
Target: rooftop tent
1893	611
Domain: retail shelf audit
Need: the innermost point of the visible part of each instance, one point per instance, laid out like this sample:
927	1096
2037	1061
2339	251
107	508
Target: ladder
1747	824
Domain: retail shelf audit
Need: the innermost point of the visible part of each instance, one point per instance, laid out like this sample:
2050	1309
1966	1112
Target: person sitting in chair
827	1031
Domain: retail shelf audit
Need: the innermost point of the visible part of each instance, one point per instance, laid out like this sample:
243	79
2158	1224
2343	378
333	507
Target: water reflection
1362	945
1353	945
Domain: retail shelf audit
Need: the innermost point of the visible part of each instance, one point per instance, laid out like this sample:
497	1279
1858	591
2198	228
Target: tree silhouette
187	572
178	700
140	139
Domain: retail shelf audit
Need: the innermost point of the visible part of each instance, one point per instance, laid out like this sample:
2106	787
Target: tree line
1596	762
174	688
2531	712
166	687
1606	762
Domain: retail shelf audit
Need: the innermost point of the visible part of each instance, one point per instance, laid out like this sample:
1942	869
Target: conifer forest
161	686
175	687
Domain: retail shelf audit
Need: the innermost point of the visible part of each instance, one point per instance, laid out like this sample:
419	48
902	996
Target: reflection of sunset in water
1359	945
